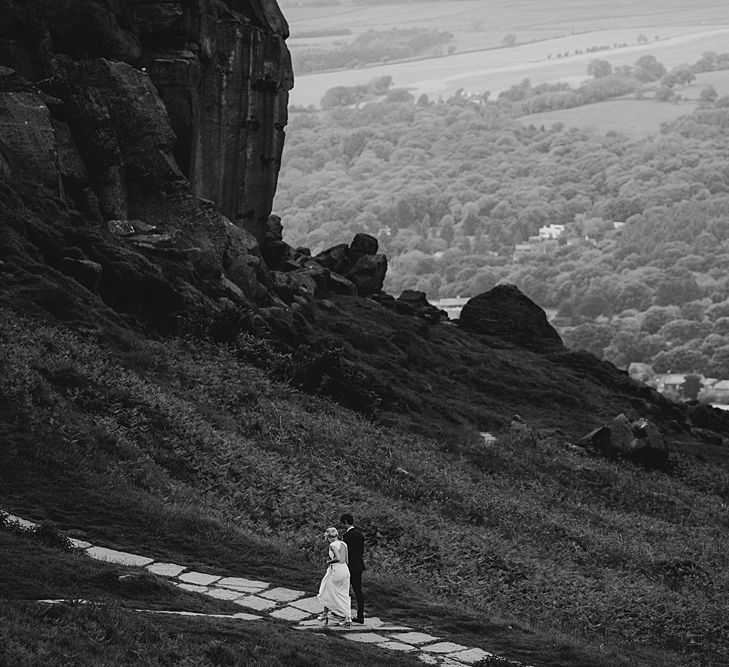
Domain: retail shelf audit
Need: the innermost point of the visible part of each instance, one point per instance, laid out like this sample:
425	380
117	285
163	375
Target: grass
32	634
635	118
178	450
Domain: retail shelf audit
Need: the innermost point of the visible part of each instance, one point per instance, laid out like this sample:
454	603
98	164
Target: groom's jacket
355	545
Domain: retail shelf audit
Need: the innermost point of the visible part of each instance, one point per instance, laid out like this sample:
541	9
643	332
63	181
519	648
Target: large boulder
362	244
506	312
368	274
639	441
358	262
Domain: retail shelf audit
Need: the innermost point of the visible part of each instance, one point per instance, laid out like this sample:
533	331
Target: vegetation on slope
177	448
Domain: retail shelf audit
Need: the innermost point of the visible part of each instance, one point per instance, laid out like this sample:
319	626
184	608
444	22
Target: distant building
670	383
720	390
551	232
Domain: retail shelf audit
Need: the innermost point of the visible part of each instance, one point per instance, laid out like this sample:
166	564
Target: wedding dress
334	588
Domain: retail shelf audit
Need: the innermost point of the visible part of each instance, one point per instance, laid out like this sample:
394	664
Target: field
478	24
635	118
675	36
498	69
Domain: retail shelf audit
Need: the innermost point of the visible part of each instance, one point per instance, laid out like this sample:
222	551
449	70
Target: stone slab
243	585
282	594
241	617
312	605
290	614
254	602
428	659
415	638
471	655
118	557
79	544
444	647
247	617
397	646
23	523
192	588
222	593
165	569
366	637
198	578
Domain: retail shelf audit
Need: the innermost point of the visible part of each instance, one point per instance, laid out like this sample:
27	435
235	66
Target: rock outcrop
415	302
356	268
506	312
639	441
160	123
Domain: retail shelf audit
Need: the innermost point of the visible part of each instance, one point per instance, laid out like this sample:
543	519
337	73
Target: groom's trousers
355	578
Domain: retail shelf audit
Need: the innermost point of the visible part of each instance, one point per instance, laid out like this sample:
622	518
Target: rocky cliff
151	125
127	102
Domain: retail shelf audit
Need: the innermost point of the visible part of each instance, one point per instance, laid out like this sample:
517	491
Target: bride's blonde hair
331	532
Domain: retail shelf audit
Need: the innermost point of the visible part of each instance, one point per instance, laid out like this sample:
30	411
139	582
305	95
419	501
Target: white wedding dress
334	588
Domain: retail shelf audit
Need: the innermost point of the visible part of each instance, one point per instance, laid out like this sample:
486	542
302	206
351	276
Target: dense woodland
373	46
450	188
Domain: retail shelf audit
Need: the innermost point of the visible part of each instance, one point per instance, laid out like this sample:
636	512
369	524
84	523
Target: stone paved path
261	600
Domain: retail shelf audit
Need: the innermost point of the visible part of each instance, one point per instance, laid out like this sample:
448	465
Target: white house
550	232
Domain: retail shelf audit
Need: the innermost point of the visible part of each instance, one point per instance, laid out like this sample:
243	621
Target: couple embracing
344	567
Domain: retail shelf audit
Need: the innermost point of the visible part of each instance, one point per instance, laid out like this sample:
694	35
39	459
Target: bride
334	588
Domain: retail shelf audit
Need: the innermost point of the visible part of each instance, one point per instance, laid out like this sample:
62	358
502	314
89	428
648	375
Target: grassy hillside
179	449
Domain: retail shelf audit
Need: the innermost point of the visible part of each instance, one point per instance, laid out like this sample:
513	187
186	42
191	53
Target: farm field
478	24
635	118
497	69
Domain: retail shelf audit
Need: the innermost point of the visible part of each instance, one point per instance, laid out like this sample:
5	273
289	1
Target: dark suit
355	547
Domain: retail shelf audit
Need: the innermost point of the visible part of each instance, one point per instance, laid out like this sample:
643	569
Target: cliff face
223	72
141	100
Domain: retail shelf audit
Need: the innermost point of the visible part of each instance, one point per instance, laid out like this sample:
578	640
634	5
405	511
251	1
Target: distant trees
449	188
371	47
342	96
599	69
647	69
708	94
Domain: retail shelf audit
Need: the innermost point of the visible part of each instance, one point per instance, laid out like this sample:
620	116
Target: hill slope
176	444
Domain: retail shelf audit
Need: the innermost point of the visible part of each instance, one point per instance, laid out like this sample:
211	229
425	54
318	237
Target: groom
354	540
